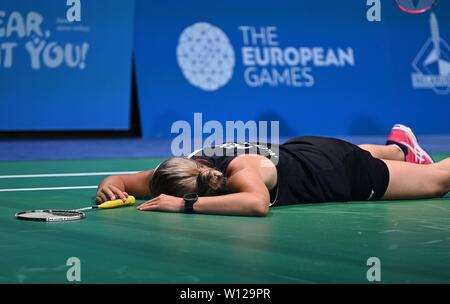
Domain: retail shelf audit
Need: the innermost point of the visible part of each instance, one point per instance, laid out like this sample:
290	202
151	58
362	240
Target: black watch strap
189	200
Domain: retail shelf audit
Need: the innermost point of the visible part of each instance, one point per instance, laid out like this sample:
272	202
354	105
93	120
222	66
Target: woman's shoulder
252	161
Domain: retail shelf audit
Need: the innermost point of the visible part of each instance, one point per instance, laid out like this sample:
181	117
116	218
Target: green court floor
320	243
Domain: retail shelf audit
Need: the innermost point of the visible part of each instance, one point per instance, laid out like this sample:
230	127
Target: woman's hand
165	203
109	192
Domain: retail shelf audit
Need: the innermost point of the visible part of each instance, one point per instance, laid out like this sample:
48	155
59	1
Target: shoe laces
418	153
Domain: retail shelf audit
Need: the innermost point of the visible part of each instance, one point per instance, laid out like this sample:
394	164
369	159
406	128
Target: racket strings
50	215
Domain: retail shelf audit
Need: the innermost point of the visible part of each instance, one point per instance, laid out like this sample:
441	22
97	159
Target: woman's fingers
109	193
163	202
150	203
155	199
149	207
118	192
101	197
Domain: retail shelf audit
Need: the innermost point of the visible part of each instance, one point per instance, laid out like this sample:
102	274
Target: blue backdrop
330	71
56	75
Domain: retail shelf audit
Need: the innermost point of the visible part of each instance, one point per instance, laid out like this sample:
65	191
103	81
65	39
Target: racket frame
415	11
77	215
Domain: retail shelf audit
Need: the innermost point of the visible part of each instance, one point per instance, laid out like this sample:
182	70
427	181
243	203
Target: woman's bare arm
250	197
120	186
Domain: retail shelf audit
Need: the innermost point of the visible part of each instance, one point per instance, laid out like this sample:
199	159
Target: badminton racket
416	6
70	215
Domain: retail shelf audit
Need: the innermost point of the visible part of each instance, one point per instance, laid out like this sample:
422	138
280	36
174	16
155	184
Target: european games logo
205	56
207	59
432	64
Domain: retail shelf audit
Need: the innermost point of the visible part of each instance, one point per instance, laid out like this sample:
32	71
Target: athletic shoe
404	136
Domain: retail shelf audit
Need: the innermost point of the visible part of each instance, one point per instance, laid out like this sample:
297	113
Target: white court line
66	174
48	188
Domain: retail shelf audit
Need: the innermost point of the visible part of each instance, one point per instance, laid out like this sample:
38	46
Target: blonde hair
178	176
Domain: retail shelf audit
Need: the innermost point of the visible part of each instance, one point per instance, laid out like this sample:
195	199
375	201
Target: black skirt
319	169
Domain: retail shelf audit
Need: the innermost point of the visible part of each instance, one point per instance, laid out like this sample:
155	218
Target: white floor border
65	174
58	175
47	188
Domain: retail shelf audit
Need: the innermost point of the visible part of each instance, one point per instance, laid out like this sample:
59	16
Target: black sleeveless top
309	169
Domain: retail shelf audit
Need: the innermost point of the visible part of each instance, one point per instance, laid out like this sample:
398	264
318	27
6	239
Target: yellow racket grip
118	203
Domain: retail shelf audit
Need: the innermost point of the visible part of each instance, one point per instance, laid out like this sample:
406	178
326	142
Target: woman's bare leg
443	164
389	152
411	181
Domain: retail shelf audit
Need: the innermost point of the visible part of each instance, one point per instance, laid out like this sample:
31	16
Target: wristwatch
189	200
